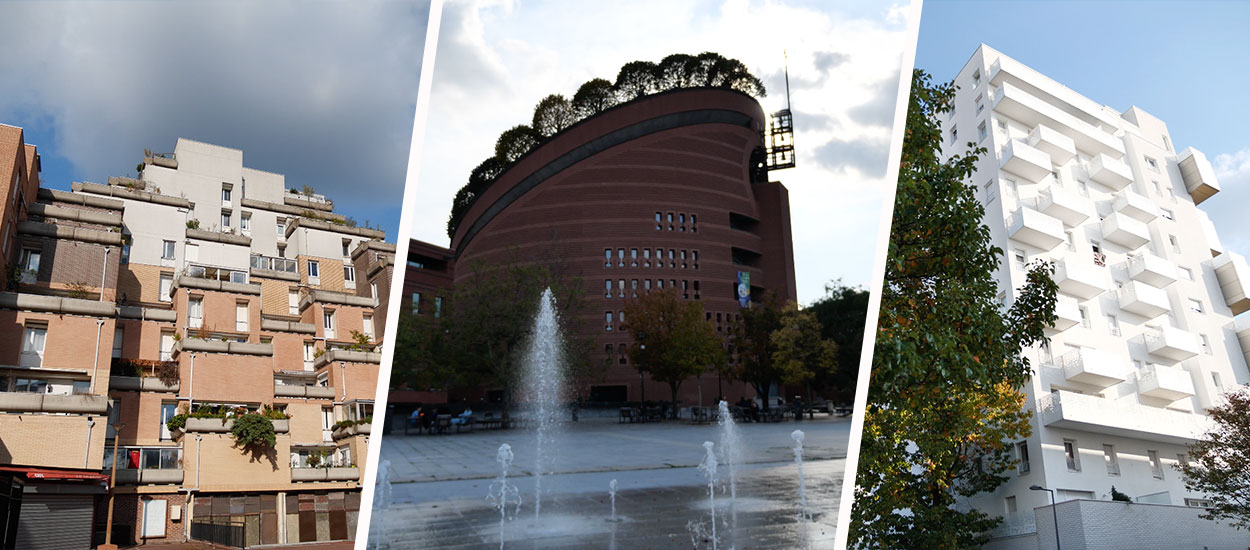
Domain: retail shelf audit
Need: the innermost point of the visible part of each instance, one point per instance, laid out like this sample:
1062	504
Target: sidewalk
197	545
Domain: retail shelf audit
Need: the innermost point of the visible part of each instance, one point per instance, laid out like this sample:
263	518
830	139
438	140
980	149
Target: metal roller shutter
54	522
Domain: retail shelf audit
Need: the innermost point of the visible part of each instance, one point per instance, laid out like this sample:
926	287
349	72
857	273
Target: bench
626	415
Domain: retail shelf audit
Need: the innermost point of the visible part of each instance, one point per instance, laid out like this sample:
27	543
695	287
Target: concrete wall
1102	525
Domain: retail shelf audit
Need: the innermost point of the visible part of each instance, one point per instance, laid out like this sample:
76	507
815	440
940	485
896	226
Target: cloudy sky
1184	62
321	92
496	59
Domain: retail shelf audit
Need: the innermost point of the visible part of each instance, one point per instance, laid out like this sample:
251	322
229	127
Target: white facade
1146	339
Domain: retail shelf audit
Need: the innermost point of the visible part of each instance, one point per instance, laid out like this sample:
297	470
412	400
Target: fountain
731	456
381	502
797	435
544	380
708	466
612	493
500	492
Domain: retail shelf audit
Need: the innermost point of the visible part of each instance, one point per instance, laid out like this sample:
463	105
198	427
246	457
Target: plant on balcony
308	191
79	290
1118	496
1218	461
202	333
360	341
193	224
318	353
274	414
349	423
253	430
177	422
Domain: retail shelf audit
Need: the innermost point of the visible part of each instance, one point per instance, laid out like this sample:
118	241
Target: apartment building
211	291
1146	339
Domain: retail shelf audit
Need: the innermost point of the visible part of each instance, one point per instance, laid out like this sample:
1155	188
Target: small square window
167	250
1073	454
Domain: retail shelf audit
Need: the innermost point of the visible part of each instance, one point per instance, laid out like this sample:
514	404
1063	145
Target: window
327	318
34	338
633	286
314	271
646	285
980	101
607	349
367	325
225	196
991	192
694	258
1167	214
1112	460
438	306
1206	344
981	131
607	288
119	336
633	257
1022	259
1022	455
954	134
167	345
1187	274
225	220
167	250
1156	467
1010	504
1195	305
1152	164
607	321
669	217
1002	125
607	257
168	410
310	350
620	288
1071	451
292	299
1084	317
1197	503
1113	325
125	252
281	225
166	283
646	257
976	78
659	221
195	312
416	302
1215	379
245	221
240	317
349	274
1176	245
620	257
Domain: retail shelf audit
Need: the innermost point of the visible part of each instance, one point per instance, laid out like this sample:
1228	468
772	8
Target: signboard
744	289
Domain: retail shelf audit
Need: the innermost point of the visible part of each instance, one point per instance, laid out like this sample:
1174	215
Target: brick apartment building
203	285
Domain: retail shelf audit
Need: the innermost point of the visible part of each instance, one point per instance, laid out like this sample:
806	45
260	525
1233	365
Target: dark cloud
805	121
323	93
878	111
865	156
827	61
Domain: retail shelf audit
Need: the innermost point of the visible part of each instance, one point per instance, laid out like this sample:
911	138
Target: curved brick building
668	191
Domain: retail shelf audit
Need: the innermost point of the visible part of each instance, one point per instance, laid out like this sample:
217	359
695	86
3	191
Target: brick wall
140	283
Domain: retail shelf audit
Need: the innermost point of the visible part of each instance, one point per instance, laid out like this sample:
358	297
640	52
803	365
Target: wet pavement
440	484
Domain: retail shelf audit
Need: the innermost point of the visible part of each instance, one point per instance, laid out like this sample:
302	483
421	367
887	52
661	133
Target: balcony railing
287	265
214	273
144	458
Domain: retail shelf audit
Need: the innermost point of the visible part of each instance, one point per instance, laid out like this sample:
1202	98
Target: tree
676	71
635	79
515	142
421	352
842	312
672	339
479	179
800	352
594	97
944	398
752	338
1219	462
552	114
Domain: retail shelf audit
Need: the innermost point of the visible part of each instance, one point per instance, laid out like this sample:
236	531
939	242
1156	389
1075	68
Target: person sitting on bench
462	418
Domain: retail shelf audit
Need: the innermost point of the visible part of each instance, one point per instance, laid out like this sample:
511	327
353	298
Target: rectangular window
314	272
438	306
633	257
416	302
646	285
240	317
119	335
166	283
1022	455
347	248
981	130
349	274
1112	460
1206	344
292	298
646	257
620	288
1084	316
225	196
659	221
1194	305
310	350
607	288
1022	259
1010	504
167	250
1113	325
168	410
195	312
125	253
607	321
225	220
1186	274
607	257
1152	164
327	318
954	134
633	286
367	324
33	340
154	518
620	257
1156	467
1167	214
1176	245
167	346
1073	454
980	101
281	226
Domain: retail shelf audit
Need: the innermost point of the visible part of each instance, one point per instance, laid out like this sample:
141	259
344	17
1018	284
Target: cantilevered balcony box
1198	175
1025	108
1023	160
1166	383
1143	299
1242	327
1152	270
1125	231
52	403
150	476
1095	368
1171	343
135	383
223	425
325	474
1067	312
1234	277
1110	172
1064	205
354	429
1061	148
1135	205
1079	277
307	392
1034	228
1125	418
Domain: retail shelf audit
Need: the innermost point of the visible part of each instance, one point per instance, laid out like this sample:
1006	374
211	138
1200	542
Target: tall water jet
731	455
797	435
501	492
381	502
612	493
544	384
709	468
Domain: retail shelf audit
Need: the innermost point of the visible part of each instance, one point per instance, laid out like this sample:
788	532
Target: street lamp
642	388
1054	514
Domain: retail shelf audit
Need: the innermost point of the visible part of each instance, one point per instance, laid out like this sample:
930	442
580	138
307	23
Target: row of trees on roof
556	112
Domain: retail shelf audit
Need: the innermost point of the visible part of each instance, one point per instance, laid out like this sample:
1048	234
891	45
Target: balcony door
327	422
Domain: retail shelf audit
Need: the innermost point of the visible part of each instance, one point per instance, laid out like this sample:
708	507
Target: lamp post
108	527
642	388
1053	513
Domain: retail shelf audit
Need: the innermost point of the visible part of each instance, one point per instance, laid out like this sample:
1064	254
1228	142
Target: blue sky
323	93
1185	63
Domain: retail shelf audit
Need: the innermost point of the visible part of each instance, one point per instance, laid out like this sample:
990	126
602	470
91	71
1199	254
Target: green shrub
253	430
176	422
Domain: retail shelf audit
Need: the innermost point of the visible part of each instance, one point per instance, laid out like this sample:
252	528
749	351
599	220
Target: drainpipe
191	395
343	375
104	272
95	362
86	460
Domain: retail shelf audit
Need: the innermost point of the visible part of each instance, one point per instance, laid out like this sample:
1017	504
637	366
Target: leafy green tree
672	339
800	351
552	114
1219	463
678	70
595	96
514	143
479	179
842	312
421	352
752	338
944	400
635	79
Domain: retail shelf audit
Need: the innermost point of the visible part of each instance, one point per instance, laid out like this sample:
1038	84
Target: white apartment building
1146	339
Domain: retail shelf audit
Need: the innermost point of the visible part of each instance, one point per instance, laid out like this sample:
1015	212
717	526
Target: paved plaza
439	485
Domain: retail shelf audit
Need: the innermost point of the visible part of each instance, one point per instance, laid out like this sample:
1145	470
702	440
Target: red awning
56	475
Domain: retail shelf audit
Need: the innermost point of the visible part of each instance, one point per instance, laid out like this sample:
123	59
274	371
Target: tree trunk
673	386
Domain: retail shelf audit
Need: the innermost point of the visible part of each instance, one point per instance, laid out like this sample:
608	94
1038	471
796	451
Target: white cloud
1227	209
495	61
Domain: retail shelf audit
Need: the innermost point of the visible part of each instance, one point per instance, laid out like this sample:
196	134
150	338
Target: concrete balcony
306	392
1030	110
1081	278
1061	148
1023	160
1125	231
1143	299
1166	383
1152	270
1067	312
325	474
1034	228
1123	418
134	383
1198	175
169	476
1094	368
1242	327
223	425
217	346
1234	277
346	356
1070	208
349	431
1171	343
1110	172
1135	205
21	402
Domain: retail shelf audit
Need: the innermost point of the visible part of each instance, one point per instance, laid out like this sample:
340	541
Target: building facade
207	288
665	192
1146	340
